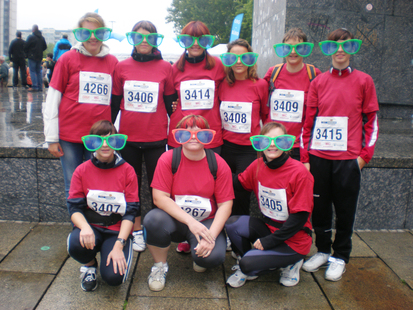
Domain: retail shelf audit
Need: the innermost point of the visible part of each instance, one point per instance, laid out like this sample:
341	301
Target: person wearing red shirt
243	99
192	204
288	100
284	190
103	202
79	94
143	89
339	136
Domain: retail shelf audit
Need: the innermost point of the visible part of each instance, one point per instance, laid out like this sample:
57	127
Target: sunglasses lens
329	48
116	142
102	34
182	136
351	47
303	50
282	50
206	41
260	143
228	59
92	143
81	34
249	59
134	38
186	41
284	143
154	39
204	137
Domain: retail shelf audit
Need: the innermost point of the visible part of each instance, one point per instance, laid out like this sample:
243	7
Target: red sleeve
224	190
131	190
263	95
117	88
169	88
370	135
163	177
310	114
302	199
76	187
268	75
220	75
317	72
61	74
247	178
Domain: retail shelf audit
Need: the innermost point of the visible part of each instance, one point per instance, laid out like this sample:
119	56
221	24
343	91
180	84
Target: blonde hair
92	18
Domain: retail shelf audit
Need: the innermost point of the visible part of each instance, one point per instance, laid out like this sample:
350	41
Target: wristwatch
122	241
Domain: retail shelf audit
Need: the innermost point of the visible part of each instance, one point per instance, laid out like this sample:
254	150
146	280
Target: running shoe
198	268
88	275
317	261
335	269
139	244
290	275
156	279
238	279
183	247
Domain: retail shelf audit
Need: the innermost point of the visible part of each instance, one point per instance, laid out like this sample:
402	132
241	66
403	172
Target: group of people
218	152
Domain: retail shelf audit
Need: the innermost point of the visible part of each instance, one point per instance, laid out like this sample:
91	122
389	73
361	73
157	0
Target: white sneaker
156	279
198	268
229	248
238	279
316	262
335	270
139	244
290	275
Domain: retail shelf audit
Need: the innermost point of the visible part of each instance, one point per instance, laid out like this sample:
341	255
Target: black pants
20	63
238	158
104	244
336	182
133	154
161	229
244	230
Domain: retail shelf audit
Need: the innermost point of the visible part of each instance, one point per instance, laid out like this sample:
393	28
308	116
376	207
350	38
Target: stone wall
386	31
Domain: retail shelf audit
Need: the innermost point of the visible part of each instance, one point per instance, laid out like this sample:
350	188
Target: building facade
8	24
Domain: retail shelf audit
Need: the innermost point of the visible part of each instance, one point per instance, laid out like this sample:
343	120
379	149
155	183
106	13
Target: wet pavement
37	273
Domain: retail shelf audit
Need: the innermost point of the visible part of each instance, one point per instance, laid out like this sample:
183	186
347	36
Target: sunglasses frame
145	36
195	38
239	57
340	44
102	140
192	134
293	46
90	33
275	142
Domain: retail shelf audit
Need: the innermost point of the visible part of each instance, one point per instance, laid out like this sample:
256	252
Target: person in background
4	72
34	47
18	57
50	63
61	47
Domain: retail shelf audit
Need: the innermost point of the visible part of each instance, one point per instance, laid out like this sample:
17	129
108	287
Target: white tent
218	49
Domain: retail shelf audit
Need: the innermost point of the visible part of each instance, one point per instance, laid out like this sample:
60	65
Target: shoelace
91	274
334	263
157	274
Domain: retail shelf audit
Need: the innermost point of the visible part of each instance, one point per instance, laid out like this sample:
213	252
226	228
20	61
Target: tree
216	14
49	49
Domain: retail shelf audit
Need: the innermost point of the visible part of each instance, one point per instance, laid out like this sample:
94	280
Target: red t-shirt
194	178
351	95
143	126
246	91
75	119
121	179
298	184
196	71
293	81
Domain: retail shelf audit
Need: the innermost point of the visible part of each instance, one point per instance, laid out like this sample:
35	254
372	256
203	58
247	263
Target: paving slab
11	233
360	248
65	293
367	284
140	302
395	249
182	281
42	251
266	292
22	290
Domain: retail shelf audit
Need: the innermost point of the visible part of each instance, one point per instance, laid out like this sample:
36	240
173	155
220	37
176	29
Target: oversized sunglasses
283	142
94	142
205	41
84	34
136	38
303	49
351	46
203	136
247	59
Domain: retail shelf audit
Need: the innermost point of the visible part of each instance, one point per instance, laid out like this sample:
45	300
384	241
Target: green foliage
216	14
49	49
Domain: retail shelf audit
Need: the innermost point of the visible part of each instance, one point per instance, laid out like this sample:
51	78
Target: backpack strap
311	72
212	161
275	72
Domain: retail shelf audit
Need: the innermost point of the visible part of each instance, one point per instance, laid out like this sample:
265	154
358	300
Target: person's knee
213	260
153	220
111	278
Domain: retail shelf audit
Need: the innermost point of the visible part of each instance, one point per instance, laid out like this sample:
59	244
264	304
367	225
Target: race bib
197	94
95	87
273	202
236	116
106	203
141	96
198	207
330	133
287	105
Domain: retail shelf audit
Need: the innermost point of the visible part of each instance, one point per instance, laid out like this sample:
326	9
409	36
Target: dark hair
340	34
102	128
295	33
196	29
267	128
252	71
193	121
64	36
35	28
18	34
148	26
50	55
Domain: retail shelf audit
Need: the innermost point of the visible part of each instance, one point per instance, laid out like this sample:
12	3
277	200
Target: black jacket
35	45
16	50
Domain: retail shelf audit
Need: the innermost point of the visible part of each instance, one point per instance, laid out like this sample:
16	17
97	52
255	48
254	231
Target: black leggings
161	229
244	230
104	244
